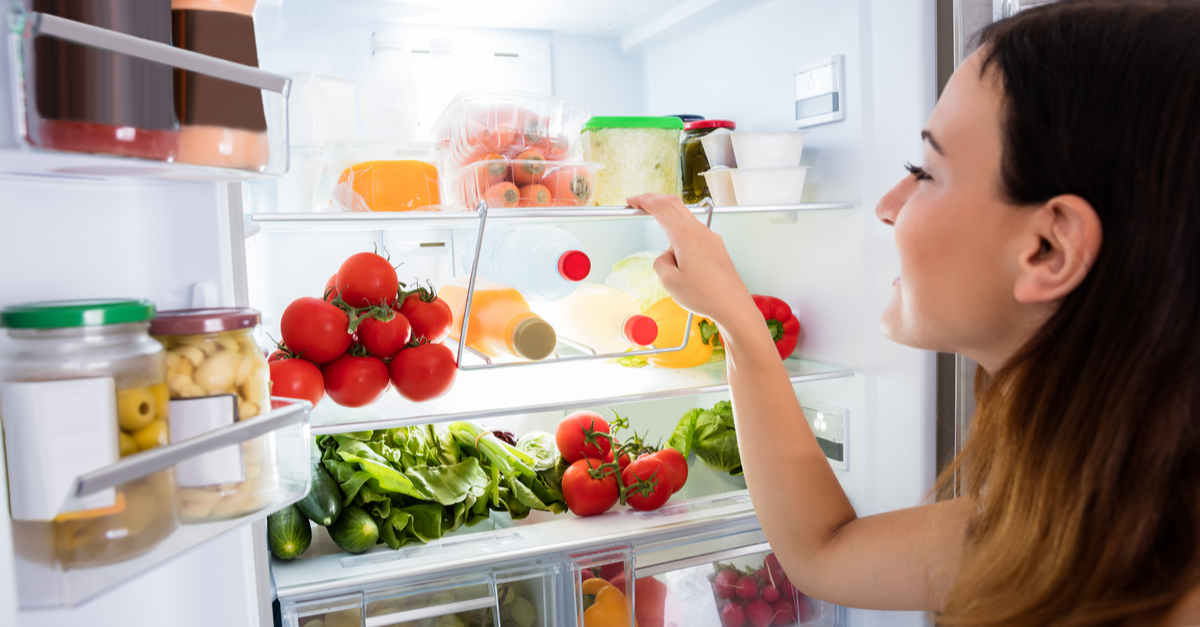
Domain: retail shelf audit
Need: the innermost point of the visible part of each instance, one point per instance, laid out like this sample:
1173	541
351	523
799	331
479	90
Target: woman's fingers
670	212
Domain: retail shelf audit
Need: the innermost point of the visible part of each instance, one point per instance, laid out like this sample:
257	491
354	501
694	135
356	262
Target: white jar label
191	417
55	431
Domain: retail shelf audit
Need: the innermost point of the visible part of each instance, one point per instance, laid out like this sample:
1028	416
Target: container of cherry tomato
523	183
81	386
217	375
476	124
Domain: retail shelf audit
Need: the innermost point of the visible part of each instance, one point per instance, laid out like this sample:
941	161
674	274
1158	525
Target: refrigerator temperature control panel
829	424
819	97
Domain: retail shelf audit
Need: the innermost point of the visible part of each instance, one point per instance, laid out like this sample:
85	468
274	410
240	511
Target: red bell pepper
785	328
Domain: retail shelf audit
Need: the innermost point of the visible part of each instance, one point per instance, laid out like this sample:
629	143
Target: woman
1053	235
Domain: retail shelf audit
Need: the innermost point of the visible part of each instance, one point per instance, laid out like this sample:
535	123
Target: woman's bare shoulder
1186	612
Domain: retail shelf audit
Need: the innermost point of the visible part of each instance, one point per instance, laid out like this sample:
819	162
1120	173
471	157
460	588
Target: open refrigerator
184	236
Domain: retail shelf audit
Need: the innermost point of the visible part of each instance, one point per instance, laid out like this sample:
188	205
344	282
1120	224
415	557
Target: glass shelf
505	392
351	221
44	581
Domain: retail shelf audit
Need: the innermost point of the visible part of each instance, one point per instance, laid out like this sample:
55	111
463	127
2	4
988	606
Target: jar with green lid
82	384
693	161
638	155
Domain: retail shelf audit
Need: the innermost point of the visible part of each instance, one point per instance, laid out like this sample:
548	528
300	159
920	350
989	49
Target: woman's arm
898	560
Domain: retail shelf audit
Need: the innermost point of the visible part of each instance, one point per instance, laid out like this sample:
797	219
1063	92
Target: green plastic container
638	155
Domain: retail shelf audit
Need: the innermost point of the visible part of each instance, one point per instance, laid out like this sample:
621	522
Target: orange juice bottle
501	322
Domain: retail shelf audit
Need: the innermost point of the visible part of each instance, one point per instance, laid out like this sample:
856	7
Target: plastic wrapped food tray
506	183
476	124
367	176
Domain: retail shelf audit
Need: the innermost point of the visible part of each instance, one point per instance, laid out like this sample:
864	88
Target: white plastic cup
768	186
718	149
767	149
720	186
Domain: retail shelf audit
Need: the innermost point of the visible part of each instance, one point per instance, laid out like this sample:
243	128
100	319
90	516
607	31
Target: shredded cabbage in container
636	161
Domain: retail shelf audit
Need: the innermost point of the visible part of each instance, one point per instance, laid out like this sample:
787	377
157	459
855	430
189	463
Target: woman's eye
917	171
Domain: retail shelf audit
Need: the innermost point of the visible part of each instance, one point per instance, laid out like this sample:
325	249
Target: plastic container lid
598	122
640	330
387	39
574	265
709	124
58	314
200	321
686	117
534	339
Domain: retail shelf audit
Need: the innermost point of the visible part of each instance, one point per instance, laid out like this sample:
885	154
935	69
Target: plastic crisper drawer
720	581
476	124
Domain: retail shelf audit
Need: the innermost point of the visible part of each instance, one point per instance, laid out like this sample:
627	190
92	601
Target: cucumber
324	500
288	533
355	531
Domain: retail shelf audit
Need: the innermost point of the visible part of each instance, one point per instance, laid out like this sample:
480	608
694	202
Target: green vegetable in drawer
324	500
288	533
355	531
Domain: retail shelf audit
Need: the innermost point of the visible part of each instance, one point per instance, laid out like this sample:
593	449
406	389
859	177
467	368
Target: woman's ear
1062	244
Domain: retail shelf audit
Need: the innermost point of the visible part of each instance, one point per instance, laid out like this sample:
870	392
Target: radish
785	612
725	584
760	613
770	593
747	587
774	569
732	615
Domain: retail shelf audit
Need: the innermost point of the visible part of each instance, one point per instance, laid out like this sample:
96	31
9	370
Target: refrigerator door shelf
44	582
556	386
357	220
74	148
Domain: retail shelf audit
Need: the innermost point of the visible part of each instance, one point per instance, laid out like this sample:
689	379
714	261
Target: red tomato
586	495
367	279
608	457
676	463
654	601
355	381
277	355
429	316
296	378
423	373
331	290
315	330
650	469
571	441
384	339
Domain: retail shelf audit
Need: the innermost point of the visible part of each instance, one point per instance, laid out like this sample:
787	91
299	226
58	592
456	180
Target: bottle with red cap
542	262
601	317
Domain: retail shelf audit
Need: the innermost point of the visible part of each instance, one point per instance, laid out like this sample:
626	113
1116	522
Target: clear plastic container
388	101
638	155
541	262
372	176
217	375
506	183
476	124
600	317
81	385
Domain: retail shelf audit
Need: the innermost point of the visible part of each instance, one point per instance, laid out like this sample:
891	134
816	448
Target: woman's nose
889	206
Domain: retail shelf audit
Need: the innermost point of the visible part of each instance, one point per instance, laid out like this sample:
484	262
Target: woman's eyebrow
927	136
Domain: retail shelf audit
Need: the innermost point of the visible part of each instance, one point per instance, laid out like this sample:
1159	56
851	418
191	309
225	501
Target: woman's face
955	235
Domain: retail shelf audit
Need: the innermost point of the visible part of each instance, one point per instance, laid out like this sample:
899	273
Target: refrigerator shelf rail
45	582
32	156
352	221
481	395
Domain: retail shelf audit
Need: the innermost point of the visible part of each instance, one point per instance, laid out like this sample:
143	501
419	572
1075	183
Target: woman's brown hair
1084	462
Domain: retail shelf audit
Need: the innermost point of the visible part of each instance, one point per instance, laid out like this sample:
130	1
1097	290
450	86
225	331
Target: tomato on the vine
423	372
315	330
367	279
676	463
296	378
382	337
589	489
571	436
331	290
429	315
355	381
609	456
652	471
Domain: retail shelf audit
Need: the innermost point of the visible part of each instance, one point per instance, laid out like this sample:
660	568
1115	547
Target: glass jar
81	385
216	375
637	155
693	161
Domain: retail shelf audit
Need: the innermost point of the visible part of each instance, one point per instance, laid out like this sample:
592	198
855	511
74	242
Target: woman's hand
696	270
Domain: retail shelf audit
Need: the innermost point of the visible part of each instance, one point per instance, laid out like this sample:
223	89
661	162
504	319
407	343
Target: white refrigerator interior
97	233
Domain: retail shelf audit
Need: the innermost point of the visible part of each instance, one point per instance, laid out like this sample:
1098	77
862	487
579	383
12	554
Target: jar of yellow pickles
216	376
82	384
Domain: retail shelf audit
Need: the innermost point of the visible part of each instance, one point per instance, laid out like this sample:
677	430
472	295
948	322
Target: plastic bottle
501	322
541	262
388	107
446	78
602	317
